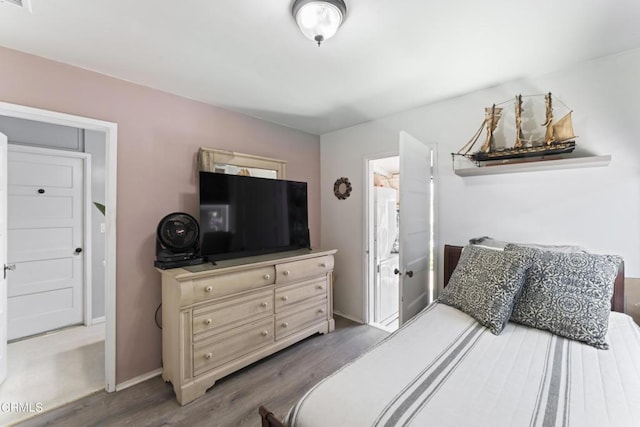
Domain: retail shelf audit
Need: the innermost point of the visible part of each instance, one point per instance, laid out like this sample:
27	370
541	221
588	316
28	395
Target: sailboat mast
492	117
519	136
548	136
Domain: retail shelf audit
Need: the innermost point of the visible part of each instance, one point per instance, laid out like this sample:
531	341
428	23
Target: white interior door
45	241
415	202
3	257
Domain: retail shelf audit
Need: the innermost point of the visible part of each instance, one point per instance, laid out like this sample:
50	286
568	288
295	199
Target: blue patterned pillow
569	294
485	284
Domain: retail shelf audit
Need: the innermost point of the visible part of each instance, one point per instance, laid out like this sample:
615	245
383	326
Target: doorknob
409	273
78	251
10	267
396	271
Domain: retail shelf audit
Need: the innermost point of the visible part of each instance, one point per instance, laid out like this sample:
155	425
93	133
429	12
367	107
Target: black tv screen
244	216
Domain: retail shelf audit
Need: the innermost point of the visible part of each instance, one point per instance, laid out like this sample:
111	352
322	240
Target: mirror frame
208	157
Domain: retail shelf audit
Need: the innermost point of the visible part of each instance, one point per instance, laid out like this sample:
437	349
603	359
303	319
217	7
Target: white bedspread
444	369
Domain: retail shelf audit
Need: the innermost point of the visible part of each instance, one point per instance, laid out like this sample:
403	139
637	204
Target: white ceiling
389	56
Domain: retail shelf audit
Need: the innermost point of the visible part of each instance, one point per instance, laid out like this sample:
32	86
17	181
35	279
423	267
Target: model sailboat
558	138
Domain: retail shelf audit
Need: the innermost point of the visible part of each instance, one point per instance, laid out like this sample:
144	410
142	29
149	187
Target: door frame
435	222
111	150
3	255
86	216
368	265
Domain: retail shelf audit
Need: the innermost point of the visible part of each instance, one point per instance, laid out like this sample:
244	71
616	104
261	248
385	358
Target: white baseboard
98	320
337	313
139	379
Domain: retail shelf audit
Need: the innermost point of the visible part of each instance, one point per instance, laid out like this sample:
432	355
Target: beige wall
158	136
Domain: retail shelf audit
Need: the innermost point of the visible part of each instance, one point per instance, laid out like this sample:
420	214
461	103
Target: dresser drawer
289	323
231	345
287	296
231	283
255	305
303	269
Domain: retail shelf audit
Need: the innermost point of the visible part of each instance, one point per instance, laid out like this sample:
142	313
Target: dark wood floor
276	382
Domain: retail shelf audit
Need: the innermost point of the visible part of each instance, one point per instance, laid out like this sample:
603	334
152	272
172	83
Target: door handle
409	273
78	251
397	272
10	267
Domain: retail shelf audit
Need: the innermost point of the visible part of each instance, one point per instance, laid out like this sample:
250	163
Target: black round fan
178	231
177	240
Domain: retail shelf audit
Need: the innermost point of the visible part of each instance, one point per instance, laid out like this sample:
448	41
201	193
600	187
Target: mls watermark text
29	407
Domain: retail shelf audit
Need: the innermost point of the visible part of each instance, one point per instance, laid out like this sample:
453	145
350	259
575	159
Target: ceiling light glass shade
319	20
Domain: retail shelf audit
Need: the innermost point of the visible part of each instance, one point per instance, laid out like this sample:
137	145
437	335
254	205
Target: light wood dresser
219	318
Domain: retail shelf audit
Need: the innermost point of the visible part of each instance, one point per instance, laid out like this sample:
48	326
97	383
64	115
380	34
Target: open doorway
55	250
384	235
93	338
400	233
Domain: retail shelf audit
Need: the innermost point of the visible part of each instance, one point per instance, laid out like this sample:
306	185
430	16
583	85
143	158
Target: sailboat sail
563	129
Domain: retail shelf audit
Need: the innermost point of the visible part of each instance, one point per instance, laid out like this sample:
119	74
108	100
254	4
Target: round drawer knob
208	356
264	333
266	277
208	289
207	322
284	298
285	324
264	304
321	310
323	265
286	272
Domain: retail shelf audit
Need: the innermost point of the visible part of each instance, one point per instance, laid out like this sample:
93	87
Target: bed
444	368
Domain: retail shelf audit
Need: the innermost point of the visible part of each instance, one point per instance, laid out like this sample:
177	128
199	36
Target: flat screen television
244	216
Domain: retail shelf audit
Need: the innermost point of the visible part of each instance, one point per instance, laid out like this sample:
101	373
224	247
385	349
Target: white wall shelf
536	166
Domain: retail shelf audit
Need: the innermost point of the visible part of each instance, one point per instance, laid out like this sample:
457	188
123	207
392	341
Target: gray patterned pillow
485	284
569	294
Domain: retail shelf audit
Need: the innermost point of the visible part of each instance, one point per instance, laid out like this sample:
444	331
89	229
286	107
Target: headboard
452	256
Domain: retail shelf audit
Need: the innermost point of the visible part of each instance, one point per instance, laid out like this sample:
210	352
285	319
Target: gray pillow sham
485	284
501	244
568	294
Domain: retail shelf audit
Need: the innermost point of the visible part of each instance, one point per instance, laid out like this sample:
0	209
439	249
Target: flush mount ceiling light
319	20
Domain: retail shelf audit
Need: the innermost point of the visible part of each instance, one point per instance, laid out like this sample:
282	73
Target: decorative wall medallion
342	188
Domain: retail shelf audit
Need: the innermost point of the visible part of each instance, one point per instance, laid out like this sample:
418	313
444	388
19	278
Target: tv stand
219	318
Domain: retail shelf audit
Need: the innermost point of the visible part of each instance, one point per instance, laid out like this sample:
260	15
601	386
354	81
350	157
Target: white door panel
40	276
29	208
3	257
52	242
57	301
415	199
45	218
51	175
